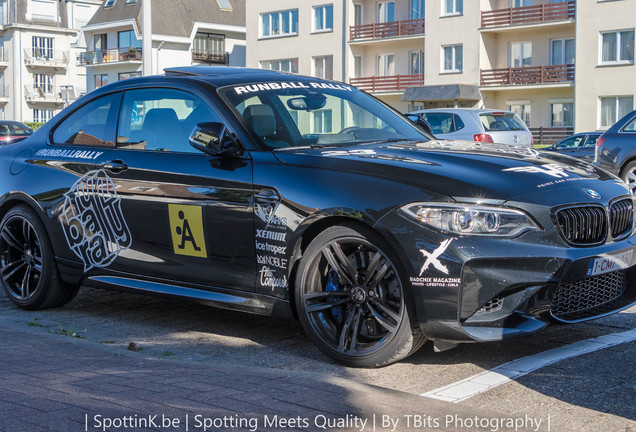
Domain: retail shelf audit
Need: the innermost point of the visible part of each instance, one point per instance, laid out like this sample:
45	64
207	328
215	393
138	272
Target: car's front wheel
27	268
351	300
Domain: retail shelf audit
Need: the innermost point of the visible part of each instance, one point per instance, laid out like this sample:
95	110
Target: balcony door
521	3
520	54
386	65
562	51
417	9
386	12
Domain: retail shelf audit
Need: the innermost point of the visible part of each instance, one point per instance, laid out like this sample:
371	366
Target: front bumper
487	289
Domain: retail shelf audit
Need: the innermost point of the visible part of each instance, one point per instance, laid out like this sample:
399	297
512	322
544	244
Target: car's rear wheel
351	300
27	269
629	176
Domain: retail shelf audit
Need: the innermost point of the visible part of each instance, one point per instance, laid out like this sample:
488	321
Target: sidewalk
58	383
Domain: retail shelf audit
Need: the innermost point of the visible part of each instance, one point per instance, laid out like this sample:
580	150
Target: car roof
12	122
463	110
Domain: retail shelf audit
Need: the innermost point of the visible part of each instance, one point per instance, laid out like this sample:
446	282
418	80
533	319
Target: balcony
4	57
527	75
387	83
47	58
387	30
212	57
43	94
529	14
115	55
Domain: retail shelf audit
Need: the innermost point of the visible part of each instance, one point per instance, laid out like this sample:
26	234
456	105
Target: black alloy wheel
351	300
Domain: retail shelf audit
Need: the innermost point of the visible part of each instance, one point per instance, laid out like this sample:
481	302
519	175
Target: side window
91	125
160	119
591	141
459	124
440	122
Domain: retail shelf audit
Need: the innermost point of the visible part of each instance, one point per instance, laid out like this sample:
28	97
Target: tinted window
572	142
93	124
631	126
501	122
441	122
591	140
20	131
160	119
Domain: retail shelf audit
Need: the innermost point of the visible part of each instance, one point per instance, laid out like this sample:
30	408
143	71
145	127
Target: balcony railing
527	75
207	56
387	83
44	93
45	57
528	14
129	54
387	29
550	135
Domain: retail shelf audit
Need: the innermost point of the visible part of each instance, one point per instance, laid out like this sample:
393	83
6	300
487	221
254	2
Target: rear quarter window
92	124
631	126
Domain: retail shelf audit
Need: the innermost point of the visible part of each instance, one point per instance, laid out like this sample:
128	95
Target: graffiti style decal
268	215
432	258
69	154
552	170
255	88
355	152
92	220
186	230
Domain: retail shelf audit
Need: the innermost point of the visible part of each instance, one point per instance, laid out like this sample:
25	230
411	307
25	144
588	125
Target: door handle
115	166
267	196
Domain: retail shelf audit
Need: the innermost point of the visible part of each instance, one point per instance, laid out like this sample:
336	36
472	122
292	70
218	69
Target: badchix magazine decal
432	261
271	248
92	220
186	230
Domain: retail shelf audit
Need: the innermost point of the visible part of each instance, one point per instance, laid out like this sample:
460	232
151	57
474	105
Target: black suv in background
616	150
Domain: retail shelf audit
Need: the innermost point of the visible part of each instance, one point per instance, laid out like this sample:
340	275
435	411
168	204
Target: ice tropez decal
92	220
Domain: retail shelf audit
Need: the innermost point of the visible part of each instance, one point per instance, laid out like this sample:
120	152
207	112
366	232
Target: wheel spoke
351	326
321	294
338	260
8	236
392	328
26	232
24	287
17	264
375	274
317	307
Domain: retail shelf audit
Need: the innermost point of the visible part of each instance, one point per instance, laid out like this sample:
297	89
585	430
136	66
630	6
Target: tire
351	299
629	176
28	271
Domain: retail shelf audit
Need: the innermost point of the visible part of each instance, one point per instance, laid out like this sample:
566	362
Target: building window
127	39
617	47
126	75
208	47
522	109
42	47
323	67
561	114
520	54
357	66
614	108
109	3
283	65
43	83
416	62
279	23
386	11
323	18
323	121
131	1
453	58
386	64
357	14
224	4
42	115
522	3
41	10
101	80
563	51
452	7
417	9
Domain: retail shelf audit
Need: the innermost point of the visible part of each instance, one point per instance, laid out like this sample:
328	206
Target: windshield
309	113
501	122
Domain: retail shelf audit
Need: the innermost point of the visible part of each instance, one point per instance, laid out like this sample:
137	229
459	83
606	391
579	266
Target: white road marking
488	380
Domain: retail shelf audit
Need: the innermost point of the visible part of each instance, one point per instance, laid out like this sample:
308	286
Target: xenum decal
186	229
92	220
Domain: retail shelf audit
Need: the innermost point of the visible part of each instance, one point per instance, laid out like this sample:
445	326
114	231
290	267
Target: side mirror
212	138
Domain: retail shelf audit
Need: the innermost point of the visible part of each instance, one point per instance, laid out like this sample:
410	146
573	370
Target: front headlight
470	219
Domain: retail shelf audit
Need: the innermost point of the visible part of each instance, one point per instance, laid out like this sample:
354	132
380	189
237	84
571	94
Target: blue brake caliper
333	280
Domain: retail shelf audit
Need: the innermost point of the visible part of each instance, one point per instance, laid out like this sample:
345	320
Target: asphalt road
590	392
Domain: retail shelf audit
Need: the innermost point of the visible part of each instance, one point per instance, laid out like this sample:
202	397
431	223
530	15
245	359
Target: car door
190	215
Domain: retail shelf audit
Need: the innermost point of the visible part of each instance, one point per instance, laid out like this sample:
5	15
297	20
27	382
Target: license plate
610	263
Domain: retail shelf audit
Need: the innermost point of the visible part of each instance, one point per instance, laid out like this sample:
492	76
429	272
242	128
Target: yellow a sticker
186	229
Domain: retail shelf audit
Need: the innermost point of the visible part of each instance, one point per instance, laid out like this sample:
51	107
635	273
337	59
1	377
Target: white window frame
454	59
43	45
320	128
618	60
385	18
355	16
511	3
280	14
42	115
324	7
224	5
322	59
420	62
45	82
454	11
522	103
288	61
420	8
551	102
563	41
109	3
386	70
358	72
523	44
618	116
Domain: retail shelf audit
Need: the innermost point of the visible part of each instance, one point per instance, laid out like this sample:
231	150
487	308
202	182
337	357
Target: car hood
464	170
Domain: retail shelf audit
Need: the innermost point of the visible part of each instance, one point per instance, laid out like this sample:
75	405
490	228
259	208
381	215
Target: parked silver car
485	125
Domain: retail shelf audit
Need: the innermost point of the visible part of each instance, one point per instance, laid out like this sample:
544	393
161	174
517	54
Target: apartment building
39	43
184	32
561	65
